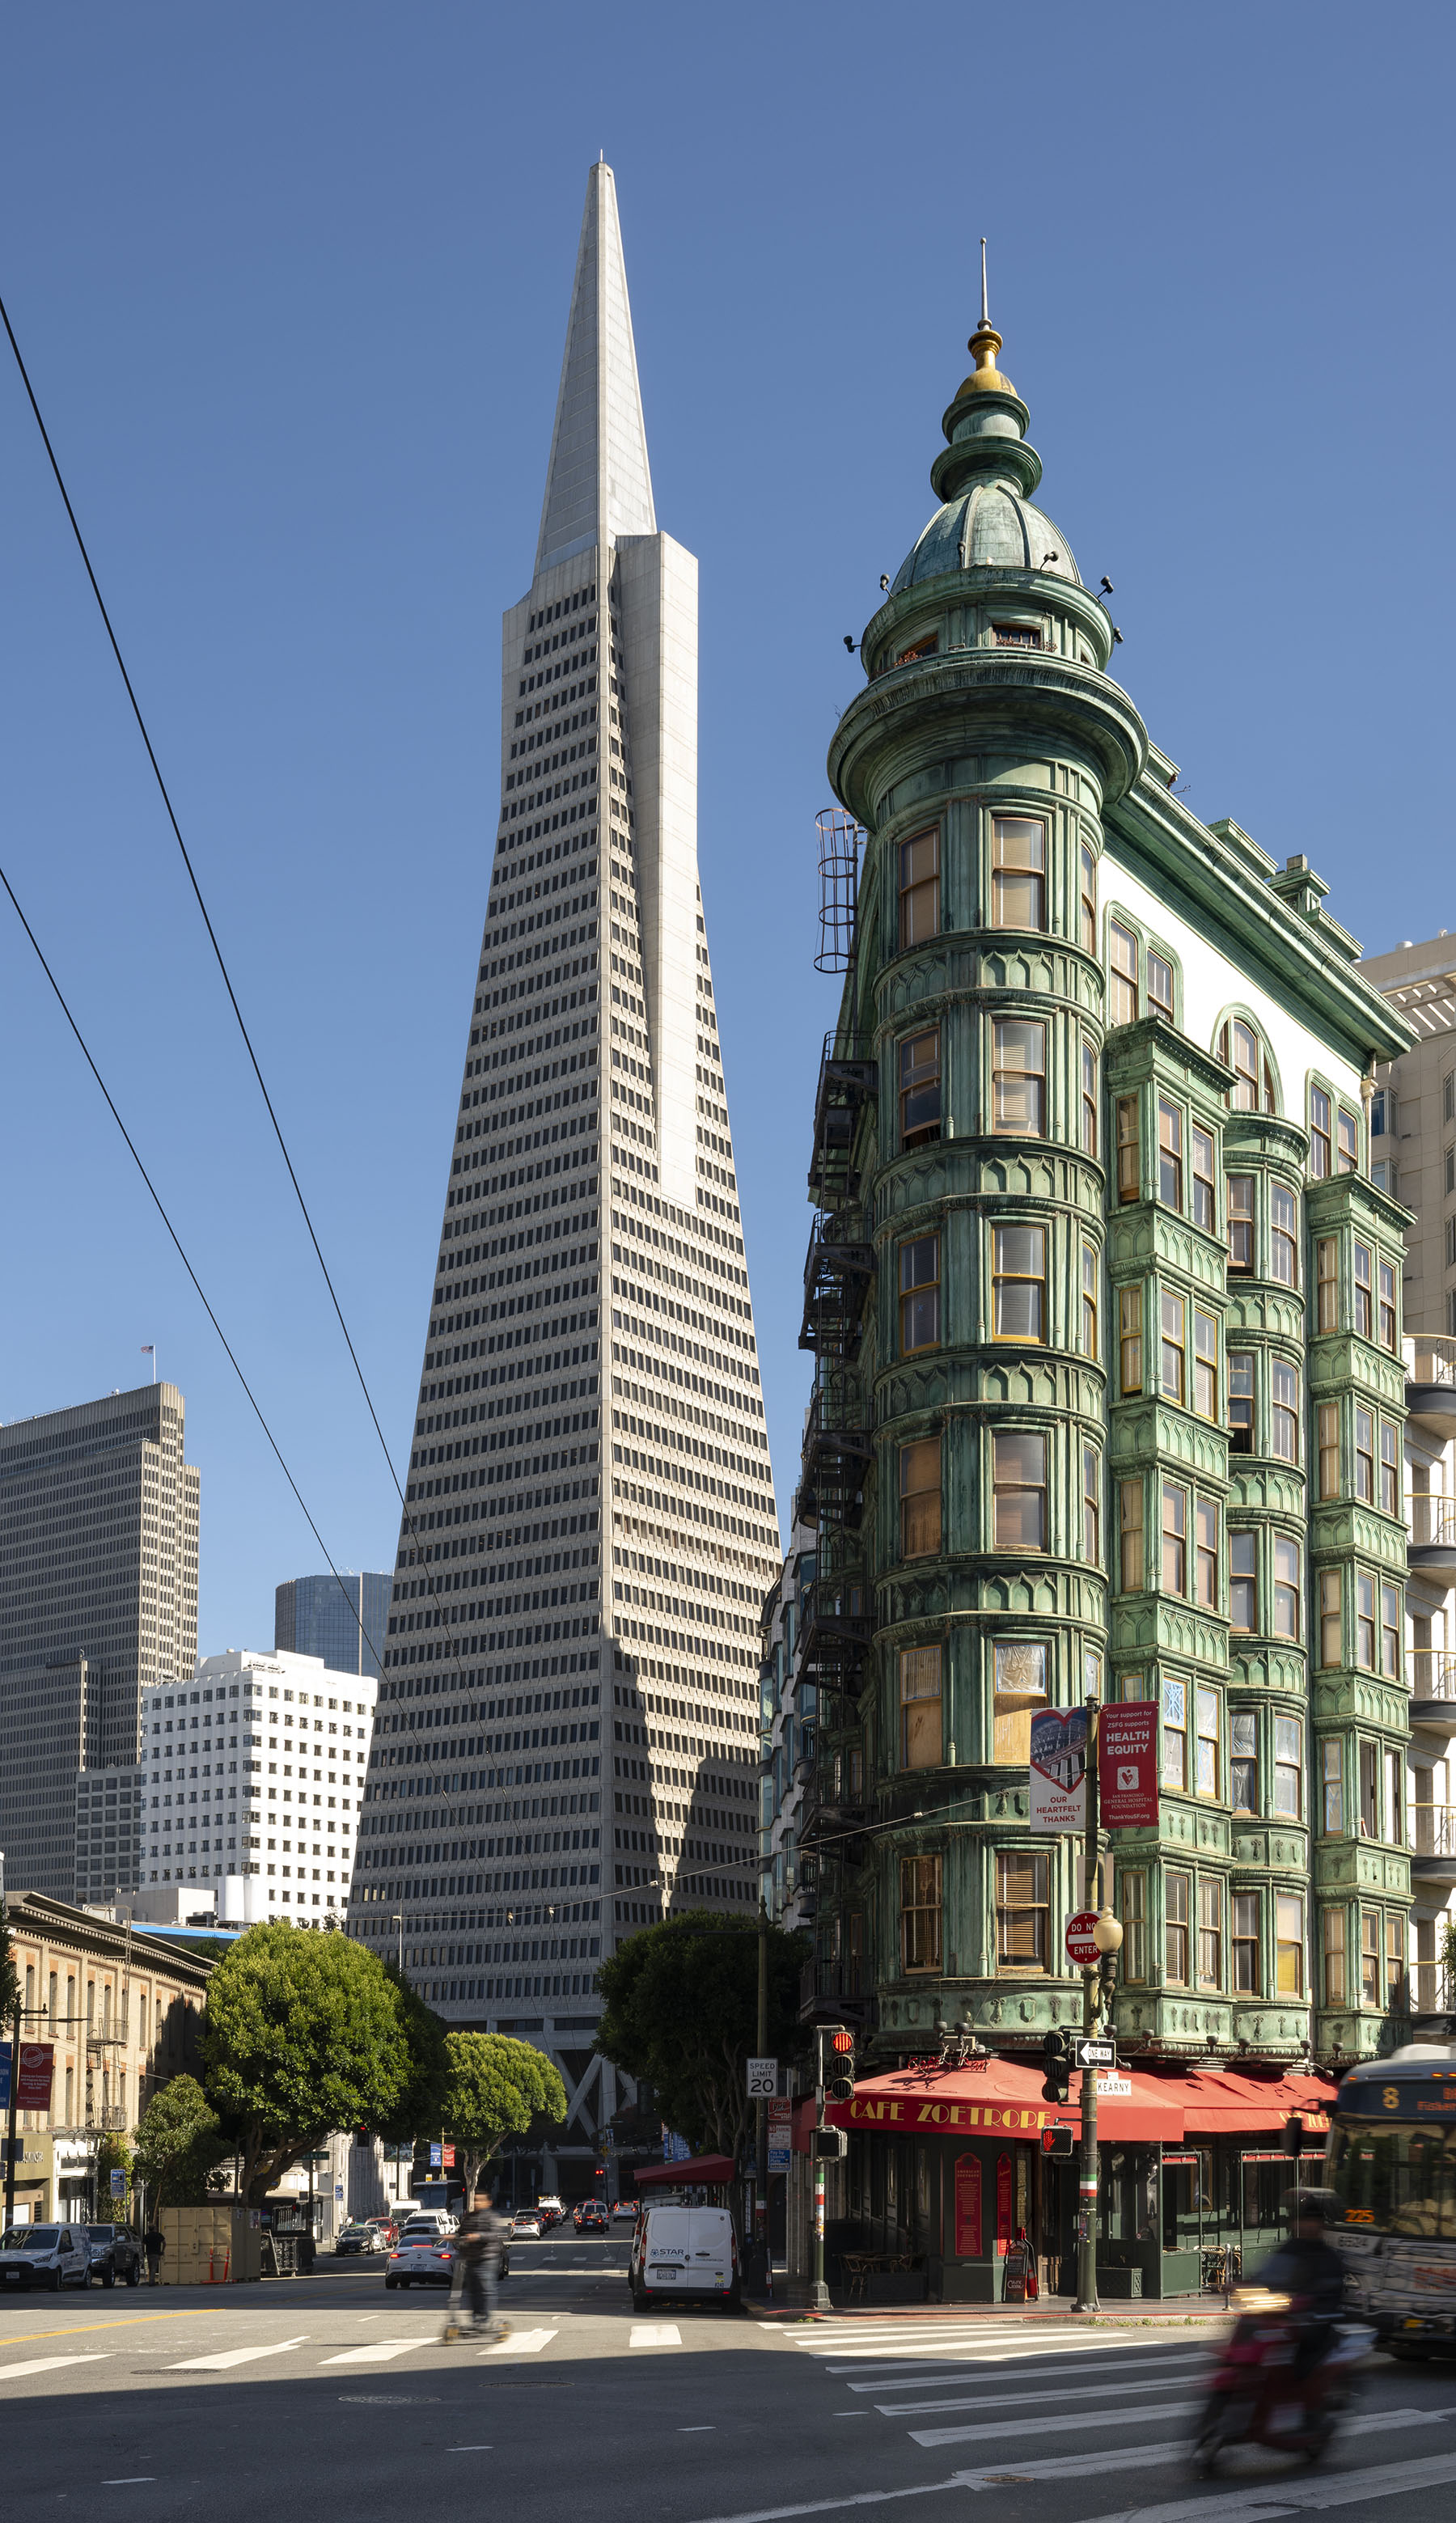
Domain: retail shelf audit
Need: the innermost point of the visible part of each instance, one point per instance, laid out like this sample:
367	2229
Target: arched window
1242	1049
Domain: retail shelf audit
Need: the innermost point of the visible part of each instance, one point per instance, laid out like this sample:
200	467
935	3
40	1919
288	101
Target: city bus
1391	2167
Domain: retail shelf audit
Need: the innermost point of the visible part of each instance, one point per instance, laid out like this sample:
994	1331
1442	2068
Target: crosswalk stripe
520	2343
1100	2389
229	2357
1165	2364
1156	2413
49	2365
378	2353
922	2349
1348	2488
655	2334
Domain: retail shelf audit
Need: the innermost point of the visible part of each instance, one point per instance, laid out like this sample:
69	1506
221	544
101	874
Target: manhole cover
390	2399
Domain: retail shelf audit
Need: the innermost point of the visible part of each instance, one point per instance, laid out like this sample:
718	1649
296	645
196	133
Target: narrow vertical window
1018	1074
920	1294
1018	871
1370	1957
1388	1306
1284	1411
1240	1401
1175	1540
1394	1962
1019	1271
1159	985
919	887
1130	1339
1089	1100
1395	1798
1285	1589
1364	1292
1364	1455
1370	1791
1169	1153
1205	1364
1020	1689
1244	1738
1206	1568
921	1740
919	1498
1206	1776
1332	1785
1389	1469
1019	1491
1129	1162
1204	1203
1321	1134
1246	1943
1243	1583
1327	1289
1177	1907
1241	1222
1122	955
1289	1768
920	1088
1089	898
1241	1049
1132	1893
1174	1318
1348	1151
1023	1912
1331	1637
1210	1932
1284	1258
1364	1621
1328	1432
1090	1286
1092	1508
919	1914
1130	1537
1334	1976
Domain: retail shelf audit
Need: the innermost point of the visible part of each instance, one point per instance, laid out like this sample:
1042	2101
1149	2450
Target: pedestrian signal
1056	2141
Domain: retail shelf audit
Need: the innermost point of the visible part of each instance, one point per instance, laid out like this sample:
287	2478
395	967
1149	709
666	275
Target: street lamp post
398	1920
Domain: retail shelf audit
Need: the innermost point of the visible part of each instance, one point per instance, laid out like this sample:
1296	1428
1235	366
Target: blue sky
292	283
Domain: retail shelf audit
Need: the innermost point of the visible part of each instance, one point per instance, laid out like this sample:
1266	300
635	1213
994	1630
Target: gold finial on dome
983	345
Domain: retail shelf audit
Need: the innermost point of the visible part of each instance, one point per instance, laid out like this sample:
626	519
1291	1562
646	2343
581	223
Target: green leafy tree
302	2034
113	2155
421	2106
682	2015
180	2142
496	2088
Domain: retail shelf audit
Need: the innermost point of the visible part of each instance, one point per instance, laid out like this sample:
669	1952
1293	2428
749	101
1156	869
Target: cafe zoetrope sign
924	2112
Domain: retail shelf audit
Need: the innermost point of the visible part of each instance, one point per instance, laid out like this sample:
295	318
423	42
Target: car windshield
102	2233
29	2238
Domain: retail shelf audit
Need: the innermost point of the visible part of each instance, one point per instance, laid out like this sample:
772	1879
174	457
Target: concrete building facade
1413	1122
567	1734
98	1581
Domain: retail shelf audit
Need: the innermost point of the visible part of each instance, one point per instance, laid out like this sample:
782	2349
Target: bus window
1395	2180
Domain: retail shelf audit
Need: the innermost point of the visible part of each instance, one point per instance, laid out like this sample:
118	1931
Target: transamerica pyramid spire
598	482
566	1743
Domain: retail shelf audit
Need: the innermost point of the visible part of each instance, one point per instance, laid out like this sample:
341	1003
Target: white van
684	2251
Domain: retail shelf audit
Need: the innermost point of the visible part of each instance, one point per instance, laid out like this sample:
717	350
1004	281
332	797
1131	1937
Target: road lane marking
50	2364
995	2353
520	2343
228	2356
137	2479
930	2382
1156	2413
470	2448
74	2330
1012	2400
379	2352
655	2334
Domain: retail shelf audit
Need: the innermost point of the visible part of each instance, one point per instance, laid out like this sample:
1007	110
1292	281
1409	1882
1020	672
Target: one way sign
1096	2054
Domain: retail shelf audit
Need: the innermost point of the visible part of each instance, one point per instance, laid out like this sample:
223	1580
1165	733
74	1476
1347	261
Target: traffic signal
1056	2054
361	2135
1056	2141
837	2063
829	2144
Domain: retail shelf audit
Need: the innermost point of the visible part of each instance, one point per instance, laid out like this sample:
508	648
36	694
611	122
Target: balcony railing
1432	1672
1431	1358
1434	1520
1435	1832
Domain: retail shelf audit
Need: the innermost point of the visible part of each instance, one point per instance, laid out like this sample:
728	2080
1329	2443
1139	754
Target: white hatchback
422	2256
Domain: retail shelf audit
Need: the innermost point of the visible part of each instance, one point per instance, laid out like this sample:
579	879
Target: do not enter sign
1080	1946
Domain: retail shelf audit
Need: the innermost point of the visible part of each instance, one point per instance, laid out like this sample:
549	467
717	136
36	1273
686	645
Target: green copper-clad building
1109	1398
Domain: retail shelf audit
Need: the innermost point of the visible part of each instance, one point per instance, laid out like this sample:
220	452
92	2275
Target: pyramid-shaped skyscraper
567	1732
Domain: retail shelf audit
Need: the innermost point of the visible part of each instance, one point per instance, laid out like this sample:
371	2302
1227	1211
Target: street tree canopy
496	2088
303	2033
682	2014
180	2141
420	2103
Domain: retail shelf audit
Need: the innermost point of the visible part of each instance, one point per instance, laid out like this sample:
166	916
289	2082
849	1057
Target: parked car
527	2220
385	2229
684	2251
356	2242
44	2256
114	2253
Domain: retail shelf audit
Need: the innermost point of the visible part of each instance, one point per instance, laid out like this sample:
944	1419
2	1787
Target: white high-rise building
251	1783
567	1730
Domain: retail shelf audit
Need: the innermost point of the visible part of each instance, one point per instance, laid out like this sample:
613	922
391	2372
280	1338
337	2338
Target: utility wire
171	1230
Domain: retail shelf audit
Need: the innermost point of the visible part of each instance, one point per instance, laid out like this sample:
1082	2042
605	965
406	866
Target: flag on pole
148	1350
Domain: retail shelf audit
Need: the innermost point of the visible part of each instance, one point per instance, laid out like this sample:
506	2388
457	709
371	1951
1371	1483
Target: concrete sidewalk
789	2303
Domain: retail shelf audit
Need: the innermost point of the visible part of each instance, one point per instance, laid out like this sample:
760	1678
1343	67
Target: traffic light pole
818	2293
1092	1986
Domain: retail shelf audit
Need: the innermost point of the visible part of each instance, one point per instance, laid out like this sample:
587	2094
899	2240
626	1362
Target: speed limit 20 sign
763	2080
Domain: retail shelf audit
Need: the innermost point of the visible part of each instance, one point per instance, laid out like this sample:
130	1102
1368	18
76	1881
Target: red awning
1219	2101
1000	2098
695	2168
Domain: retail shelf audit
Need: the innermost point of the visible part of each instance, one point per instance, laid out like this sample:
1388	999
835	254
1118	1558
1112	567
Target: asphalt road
321	2396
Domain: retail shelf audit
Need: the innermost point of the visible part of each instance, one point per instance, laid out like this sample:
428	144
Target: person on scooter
478	2244
1308	2268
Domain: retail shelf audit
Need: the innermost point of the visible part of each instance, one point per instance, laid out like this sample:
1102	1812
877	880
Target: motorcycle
1261	2394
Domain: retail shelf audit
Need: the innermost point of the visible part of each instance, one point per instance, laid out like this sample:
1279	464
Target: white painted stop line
50	2364
655	2334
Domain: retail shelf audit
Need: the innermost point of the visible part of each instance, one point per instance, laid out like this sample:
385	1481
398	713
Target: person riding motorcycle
1308	2268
